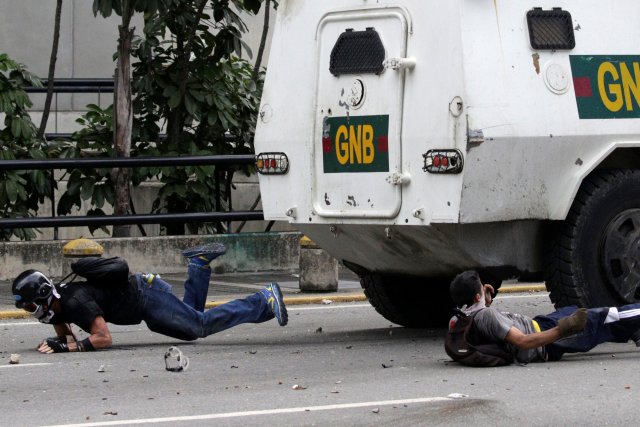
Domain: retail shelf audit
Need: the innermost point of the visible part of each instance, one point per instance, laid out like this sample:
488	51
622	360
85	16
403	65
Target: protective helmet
33	292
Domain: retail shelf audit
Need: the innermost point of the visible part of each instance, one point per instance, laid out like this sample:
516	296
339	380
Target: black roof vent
550	29
357	52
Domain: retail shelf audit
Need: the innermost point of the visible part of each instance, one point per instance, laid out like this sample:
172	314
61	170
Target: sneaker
273	295
203	255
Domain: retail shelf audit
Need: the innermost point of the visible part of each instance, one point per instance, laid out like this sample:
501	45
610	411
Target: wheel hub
620	255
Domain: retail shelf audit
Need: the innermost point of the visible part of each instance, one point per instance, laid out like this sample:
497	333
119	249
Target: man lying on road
143	297
545	337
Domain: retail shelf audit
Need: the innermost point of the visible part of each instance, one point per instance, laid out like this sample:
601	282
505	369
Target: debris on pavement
298	387
175	361
14	359
457	396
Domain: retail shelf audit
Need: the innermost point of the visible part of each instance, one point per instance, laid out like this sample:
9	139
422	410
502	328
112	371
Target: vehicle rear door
357	156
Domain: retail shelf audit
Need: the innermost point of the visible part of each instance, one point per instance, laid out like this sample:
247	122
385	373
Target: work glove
56	344
61	340
573	324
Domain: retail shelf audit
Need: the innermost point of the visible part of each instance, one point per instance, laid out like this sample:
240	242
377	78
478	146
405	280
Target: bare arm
62	330
100	336
534	340
566	326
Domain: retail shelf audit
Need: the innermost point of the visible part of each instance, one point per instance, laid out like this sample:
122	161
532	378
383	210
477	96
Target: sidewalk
229	286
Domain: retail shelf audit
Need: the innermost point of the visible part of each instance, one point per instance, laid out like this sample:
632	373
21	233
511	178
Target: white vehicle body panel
526	144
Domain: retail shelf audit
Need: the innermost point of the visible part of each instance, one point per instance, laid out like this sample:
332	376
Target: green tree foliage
123	113
20	191
96	186
188	77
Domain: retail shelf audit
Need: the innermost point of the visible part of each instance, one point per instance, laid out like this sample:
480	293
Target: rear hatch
357	158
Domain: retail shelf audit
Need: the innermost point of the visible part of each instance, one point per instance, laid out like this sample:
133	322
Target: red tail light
443	161
272	163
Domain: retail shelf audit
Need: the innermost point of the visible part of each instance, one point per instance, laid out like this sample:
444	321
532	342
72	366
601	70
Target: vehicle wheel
409	301
595	257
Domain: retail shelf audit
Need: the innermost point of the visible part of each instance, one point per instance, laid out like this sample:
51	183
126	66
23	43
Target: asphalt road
337	364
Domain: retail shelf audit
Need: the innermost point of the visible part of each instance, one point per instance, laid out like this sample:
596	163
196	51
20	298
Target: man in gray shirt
544	337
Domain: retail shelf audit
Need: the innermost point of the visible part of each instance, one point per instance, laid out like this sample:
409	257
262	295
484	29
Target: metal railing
106	86
75	86
134	219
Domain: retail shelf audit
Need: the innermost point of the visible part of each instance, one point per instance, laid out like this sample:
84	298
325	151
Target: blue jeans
165	314
196	287
604	324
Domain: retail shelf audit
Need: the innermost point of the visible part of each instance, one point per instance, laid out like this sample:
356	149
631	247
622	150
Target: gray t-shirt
494	325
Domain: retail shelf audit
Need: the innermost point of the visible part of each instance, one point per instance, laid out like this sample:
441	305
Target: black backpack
462	345
102	271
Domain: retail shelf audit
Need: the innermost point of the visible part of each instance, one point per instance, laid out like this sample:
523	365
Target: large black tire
409	301
595	256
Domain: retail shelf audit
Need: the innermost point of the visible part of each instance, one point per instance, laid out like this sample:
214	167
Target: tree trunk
176	116
175	123
123	126
52	69
263	39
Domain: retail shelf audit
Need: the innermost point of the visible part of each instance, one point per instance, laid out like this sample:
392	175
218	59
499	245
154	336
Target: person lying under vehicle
480	335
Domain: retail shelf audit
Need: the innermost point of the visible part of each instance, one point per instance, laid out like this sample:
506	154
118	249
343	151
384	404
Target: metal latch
399	178
400	63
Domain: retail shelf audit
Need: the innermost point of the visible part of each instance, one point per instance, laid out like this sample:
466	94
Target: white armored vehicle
414	139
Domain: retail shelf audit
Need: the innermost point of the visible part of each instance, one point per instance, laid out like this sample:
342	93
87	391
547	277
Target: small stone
457	396
14	359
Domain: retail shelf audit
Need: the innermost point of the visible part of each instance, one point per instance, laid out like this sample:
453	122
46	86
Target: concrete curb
14	314
521	288
316	299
